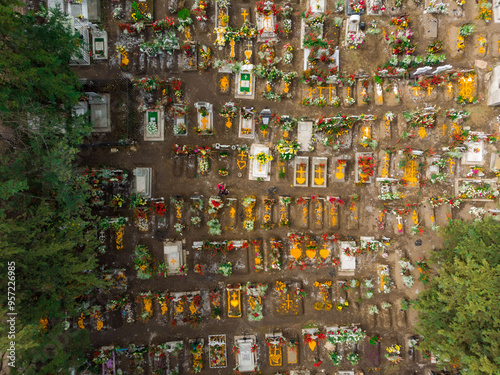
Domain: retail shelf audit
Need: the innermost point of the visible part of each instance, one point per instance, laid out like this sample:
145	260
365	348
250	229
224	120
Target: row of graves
342	346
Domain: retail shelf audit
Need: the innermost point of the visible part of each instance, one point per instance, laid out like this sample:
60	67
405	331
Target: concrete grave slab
154	117
257	170
494	87
319	172
301	171
143	181
304	134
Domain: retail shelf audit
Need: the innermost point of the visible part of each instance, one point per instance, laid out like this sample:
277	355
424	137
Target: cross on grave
264	132
204	122
410	173
319	179
288	301
414	217
245	15
416	90
450	160
385	171
348	90
301	171
232	43
340	171
311	90
173	261
429	90
444	127
399	223
450	87
234	299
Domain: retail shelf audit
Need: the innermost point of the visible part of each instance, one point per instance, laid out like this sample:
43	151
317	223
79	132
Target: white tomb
475	151
154	119
100	45
259	171
246	357
304	134
247	125
301	171
347	263
205	122
494	87
142	181
173	256
317	6
265	28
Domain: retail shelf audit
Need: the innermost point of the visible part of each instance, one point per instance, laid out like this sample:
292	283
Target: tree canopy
459	313
46	225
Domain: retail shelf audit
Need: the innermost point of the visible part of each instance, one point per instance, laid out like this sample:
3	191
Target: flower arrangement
475	171
288	54
275	256
139	15
466	30
262	158
366	167
195	221
214	227
353	358
143	262
223	172
393	353
336	358
226	269
214	205
287	149
373	310
200	10
149	84
355	40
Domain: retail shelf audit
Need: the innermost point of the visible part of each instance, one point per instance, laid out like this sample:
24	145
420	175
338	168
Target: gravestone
245	83
301	171
154	117
475	151
340	164
347	265
496	12
100	45
304	134
174	256
494	87
247	126
319	172
246	355
205	123
100	115
142	182
265	27
430	24
259	171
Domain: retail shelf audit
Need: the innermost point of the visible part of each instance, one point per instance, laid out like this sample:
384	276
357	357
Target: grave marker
301	171
245	83
319	172
340	164
142	181
154	125
100	45
247	125
100	114
259	171
304	134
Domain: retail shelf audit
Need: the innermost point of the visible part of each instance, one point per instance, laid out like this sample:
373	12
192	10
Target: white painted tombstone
180	124
494	87
496	12
317	6
304	134
142	183
257	170
245	83
246	357
205	123
173	256
475	151
347	263
441	69
100	112
319	172
81	108
100	45
247	126
266	25
154	119
301	171
352	25
433	169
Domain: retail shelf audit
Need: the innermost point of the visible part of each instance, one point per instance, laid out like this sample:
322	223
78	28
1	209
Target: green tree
46	225
459	313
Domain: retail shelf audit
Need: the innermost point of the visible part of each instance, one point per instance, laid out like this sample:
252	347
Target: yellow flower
143	267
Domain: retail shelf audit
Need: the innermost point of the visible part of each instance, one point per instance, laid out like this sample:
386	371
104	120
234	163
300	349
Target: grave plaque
245	83
174	257
154	123
257	170
246	355
265	26
475	151
100	45
347	263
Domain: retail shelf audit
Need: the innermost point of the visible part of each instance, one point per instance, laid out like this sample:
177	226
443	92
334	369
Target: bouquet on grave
200	10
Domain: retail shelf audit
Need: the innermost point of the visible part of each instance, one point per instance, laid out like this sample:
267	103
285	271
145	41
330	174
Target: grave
217	351
82	56
100	45
475	150
259	171
347	265
154	124
300	372
304	134
340	165
430	24
317	6
275	344
265	26
180	124
247	125
352	26
204	118
246	355
301	171
333	213
364	168
496	12
234	301
319	175
245	83
100	115
142	181
494	87
174	257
